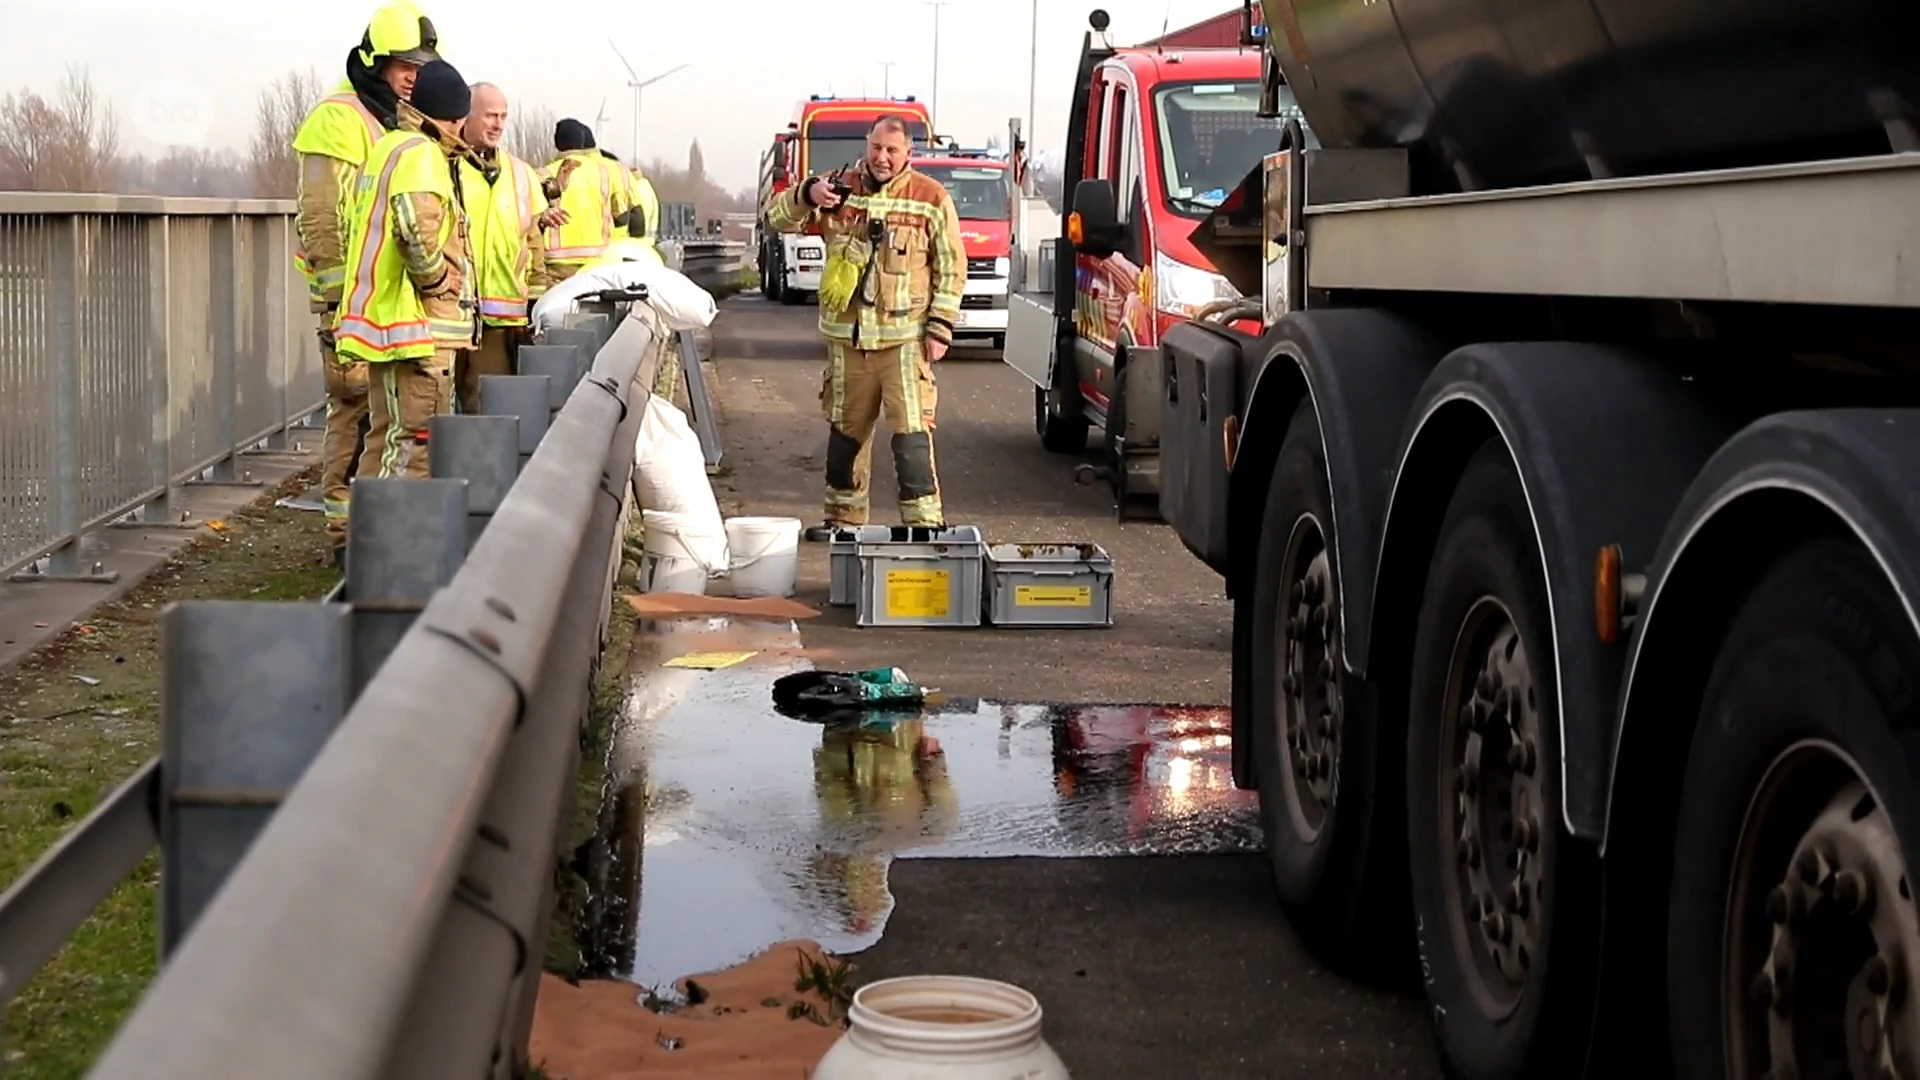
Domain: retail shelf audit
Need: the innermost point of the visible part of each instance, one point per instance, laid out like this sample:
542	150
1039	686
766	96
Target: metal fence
145	343
358	802
715	265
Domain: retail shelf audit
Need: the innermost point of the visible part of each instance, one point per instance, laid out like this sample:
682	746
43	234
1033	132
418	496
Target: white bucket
765	554
679	553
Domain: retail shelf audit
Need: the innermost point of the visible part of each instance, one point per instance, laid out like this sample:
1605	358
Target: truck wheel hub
1309	678
1820	961
1492	739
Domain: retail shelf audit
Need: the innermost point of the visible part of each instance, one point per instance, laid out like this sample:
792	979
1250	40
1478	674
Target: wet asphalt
1062	819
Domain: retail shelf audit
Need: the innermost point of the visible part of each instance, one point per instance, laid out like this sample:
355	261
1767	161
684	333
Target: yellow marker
708	661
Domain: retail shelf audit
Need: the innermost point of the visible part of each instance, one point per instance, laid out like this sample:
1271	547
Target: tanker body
1566	497
1493	96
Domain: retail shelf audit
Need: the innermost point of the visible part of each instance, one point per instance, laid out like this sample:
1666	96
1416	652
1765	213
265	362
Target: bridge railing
145	343
358	802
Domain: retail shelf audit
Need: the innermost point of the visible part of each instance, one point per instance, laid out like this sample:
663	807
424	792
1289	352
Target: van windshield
1211	136
832	144
980	192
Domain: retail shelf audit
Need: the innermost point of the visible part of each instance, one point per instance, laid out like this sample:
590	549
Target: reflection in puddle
760	828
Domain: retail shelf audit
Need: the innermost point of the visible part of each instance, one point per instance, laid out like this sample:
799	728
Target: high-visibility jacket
504	237
342	131
596	193
383	316
649	204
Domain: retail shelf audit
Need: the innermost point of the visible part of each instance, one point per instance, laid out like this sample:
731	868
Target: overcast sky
190	72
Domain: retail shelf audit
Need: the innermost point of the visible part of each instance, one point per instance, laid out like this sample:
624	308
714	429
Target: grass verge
572	891
78	717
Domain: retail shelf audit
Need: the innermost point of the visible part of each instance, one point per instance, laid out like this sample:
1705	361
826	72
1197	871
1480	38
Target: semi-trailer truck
1566	498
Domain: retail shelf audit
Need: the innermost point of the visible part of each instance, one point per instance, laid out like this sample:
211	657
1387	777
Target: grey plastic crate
843	561
1049	585
921	577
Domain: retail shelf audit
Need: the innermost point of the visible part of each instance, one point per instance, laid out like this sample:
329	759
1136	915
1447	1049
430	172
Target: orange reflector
1076	229
1606	594
1229	439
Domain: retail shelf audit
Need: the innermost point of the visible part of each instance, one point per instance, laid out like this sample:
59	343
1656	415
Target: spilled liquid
744	827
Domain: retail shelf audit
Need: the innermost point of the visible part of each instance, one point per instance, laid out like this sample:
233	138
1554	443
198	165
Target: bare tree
529	134
70	142
282	106
189	171
696	162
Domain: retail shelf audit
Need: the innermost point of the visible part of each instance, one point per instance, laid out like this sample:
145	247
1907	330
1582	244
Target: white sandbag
680	303
669	470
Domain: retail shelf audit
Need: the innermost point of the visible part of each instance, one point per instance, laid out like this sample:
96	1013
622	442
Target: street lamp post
1033	65
933	100
886	77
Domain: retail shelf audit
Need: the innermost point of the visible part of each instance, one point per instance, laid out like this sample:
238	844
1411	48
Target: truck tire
1799	806
1504	898
777	277
1330	799
1060	432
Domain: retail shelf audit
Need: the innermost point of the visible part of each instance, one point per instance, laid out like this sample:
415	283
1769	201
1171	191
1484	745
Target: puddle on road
760	828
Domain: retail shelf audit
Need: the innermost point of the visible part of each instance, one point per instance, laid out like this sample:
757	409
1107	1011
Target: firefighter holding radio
889	298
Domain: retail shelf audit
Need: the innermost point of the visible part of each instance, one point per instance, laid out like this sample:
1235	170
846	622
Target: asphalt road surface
1147	966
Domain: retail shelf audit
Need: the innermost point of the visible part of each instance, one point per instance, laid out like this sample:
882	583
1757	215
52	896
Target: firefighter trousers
341	446
499	348
406	396
861	385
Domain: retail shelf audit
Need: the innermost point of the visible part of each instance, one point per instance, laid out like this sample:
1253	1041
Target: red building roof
1220	32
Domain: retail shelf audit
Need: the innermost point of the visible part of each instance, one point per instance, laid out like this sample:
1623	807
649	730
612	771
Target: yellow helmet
399	31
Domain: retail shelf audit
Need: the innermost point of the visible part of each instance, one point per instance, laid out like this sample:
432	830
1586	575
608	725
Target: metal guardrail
145	343
435	702
710	264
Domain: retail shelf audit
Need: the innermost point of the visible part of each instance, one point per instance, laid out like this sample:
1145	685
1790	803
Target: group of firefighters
425	243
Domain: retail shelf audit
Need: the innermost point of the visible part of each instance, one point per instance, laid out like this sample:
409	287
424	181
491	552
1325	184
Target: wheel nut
1495	926
1298	592
1520	757
1317	618
1517	898
1326	723
1783	905
1761	989
1852	891
1325	670
1469	852
1525	834
1808	866
1289	685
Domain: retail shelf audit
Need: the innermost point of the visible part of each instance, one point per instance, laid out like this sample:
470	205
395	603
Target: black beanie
440	92
571	134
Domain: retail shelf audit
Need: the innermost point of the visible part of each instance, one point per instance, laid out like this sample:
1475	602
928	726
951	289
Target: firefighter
889	298
646	209
506	204
410	305
332	144
595	198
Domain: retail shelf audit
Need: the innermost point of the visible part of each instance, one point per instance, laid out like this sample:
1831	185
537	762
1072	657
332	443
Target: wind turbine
599	120
638	84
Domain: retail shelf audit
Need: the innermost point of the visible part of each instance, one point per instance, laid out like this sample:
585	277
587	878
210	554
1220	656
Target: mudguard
1362	369
1605	441
1770	483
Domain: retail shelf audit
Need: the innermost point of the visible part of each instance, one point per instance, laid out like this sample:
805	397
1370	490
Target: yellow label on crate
917	594
1053	596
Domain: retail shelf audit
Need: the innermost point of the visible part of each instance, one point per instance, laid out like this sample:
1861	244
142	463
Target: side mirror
1093	223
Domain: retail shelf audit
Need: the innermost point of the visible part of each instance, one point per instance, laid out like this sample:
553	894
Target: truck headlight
1182	290
1002	266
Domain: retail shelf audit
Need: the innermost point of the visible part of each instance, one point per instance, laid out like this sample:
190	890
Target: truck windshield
1210	137
834	143
980	193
